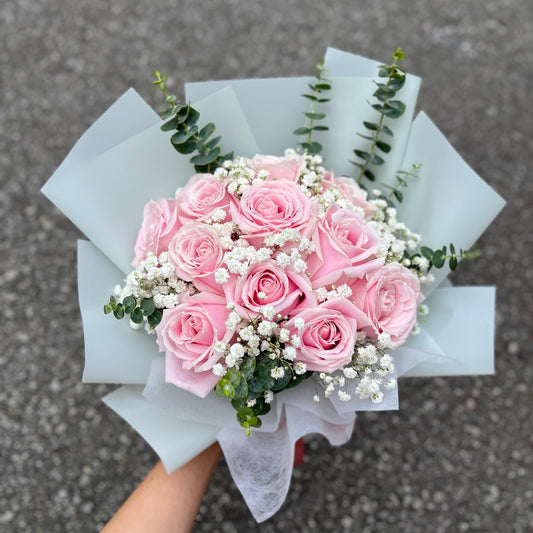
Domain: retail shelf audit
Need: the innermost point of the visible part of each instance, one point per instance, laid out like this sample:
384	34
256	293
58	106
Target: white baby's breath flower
289	353
423	310
349	372
219	370
300	368
269	396
299	322
277	372
390	384
221	275
344	396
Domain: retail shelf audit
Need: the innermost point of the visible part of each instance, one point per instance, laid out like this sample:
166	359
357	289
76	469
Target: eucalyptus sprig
386	107
188	137
317	97
137	309
401	182
246	387
438	258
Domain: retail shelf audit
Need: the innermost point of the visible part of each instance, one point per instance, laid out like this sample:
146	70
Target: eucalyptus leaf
301	131
205	158
172	124
312	147
137	315
438	259
315	116
147	306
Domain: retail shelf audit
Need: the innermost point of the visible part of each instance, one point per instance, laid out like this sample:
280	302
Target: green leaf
371	126
112	300
187	147
394	109
310	96
399	54
438	259
398	195
129	304
366	136
119	312
212	143
281	383
386	130
315	116
225	389
171	98
426	252
261	407
452	249
155	318
172	124
107	309
323	86
244	413
384	71
312	147
320	128
182	113
453	263
241	390
183	135
377	107
261	380
147	306
382	95
369	174
301	131
323	100
137	315
298	378
206	158
383	146
192	117
371	158
166	113
248	367
206	132
234	377
397	83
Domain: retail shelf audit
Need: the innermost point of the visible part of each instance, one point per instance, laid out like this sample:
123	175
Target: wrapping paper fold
124	160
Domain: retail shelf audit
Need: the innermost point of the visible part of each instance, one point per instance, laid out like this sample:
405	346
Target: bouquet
287	290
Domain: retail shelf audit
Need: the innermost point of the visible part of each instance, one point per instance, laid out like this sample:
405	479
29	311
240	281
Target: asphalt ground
457	455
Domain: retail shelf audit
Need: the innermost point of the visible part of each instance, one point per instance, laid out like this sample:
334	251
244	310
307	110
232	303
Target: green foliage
401	181
385	104
137	311
438	258
246	387
188	137
317	97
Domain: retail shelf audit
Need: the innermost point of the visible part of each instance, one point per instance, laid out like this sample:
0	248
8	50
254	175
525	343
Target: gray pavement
457	456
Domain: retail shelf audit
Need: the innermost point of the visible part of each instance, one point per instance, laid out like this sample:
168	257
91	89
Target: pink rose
328	337
280	168
345	247
270	206
187	334
196	253
284	290
390	298
201	196
160	223
350	191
